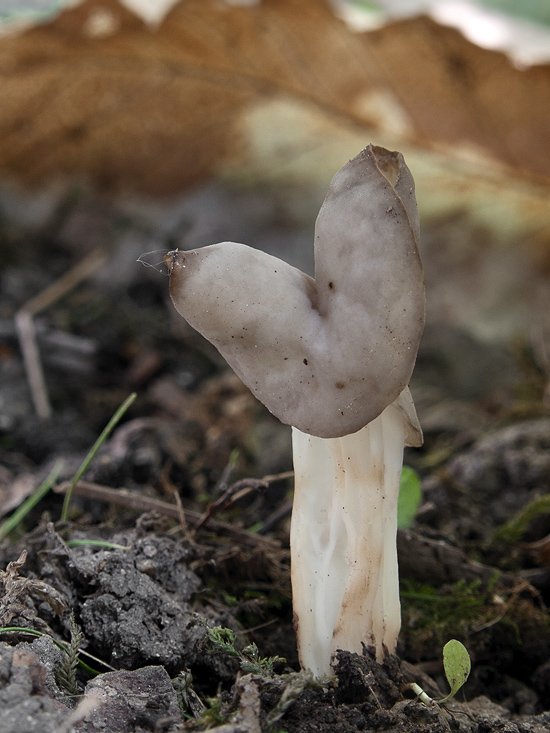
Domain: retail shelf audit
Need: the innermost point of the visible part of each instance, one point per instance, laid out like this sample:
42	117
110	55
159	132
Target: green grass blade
11	523
96	446
60	645
98	543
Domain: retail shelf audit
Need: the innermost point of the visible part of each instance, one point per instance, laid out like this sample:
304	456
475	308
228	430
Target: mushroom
332	357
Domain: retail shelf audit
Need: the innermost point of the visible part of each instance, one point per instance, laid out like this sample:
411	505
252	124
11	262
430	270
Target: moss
432	616
505	630
510	532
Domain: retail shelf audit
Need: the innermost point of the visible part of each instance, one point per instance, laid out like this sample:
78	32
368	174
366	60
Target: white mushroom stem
345	585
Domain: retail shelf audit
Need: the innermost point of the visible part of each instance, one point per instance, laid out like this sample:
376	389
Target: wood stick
27	333
140	503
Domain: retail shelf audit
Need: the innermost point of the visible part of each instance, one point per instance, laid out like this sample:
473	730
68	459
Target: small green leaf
457	665
410	495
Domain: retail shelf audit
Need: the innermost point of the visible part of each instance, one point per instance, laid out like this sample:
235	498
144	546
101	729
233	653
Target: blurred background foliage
142	102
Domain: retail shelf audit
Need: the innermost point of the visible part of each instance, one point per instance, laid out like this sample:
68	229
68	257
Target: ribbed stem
345	582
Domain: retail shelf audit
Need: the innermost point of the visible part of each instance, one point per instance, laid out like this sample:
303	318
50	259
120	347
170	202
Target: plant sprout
457	665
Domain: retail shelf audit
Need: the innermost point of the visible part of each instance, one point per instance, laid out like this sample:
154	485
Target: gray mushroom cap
326	355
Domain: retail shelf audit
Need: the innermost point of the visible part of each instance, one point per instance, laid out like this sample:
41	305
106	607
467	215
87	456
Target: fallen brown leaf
153	111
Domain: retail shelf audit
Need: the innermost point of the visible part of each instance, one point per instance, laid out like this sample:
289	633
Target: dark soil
131	582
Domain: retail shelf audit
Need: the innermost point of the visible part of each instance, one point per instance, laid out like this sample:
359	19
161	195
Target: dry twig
237	491
140	503
27	333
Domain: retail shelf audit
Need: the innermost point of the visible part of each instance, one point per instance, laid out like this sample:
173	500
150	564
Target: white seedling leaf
457	665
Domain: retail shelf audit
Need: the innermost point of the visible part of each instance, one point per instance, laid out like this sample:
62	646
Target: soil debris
181	524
